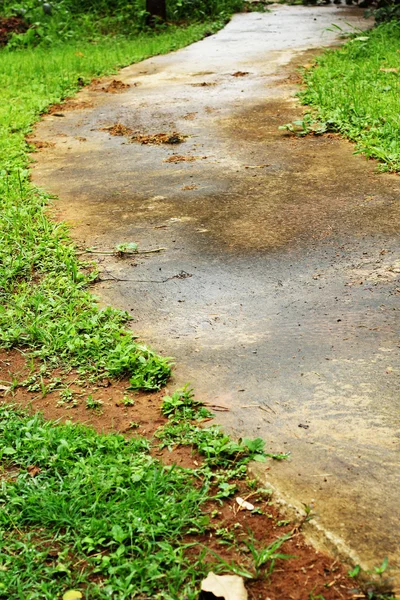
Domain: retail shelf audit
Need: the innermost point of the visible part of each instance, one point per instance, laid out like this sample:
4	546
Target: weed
93	404
355	571
268	555
182	406
67	396
127	401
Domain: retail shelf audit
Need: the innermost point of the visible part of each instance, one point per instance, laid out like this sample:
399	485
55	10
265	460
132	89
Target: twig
269	408
116	252
112	278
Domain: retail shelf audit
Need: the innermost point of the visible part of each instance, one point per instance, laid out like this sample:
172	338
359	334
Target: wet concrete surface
278	291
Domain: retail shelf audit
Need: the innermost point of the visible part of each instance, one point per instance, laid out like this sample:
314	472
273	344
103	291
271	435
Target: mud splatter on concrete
290	316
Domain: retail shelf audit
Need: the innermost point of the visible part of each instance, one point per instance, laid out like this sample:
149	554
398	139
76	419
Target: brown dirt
190	116
68	104
203	84
115	87
154	139
306	575
240	74
159	138
39	145
178	158
111	416
10	25
118	129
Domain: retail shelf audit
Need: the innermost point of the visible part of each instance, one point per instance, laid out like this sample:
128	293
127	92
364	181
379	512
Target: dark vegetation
65	20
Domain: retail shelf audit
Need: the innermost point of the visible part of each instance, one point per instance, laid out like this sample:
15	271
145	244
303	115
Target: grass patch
97	513
356	92
45	305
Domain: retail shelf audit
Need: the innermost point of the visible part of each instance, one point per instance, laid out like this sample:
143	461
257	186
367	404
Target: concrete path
278	292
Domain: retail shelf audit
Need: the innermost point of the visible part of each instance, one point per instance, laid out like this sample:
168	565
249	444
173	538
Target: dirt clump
10	25
240	74
118	130
203	84
157	139
40	145
178	158
68	104
116	86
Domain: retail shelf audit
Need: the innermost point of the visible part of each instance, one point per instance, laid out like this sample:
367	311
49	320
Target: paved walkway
278	291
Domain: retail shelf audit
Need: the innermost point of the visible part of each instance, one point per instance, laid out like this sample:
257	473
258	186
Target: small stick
116	252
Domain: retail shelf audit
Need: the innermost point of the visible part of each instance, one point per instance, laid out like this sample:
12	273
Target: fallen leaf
390	70
244	504
33	470
72	595
230	587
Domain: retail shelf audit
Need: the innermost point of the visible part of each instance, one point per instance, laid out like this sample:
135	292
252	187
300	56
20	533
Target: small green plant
307	126
68	396
127	248
382	568
127	401
354	572
183	406
92	403
264	558
308	509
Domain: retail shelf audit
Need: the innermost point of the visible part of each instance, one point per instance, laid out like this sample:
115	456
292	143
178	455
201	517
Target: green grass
102	515
45	305
97	513
354	93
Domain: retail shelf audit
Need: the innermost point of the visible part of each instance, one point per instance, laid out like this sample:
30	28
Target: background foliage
63	20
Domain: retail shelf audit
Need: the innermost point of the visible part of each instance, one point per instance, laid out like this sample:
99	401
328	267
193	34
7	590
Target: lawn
99	514
355	90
